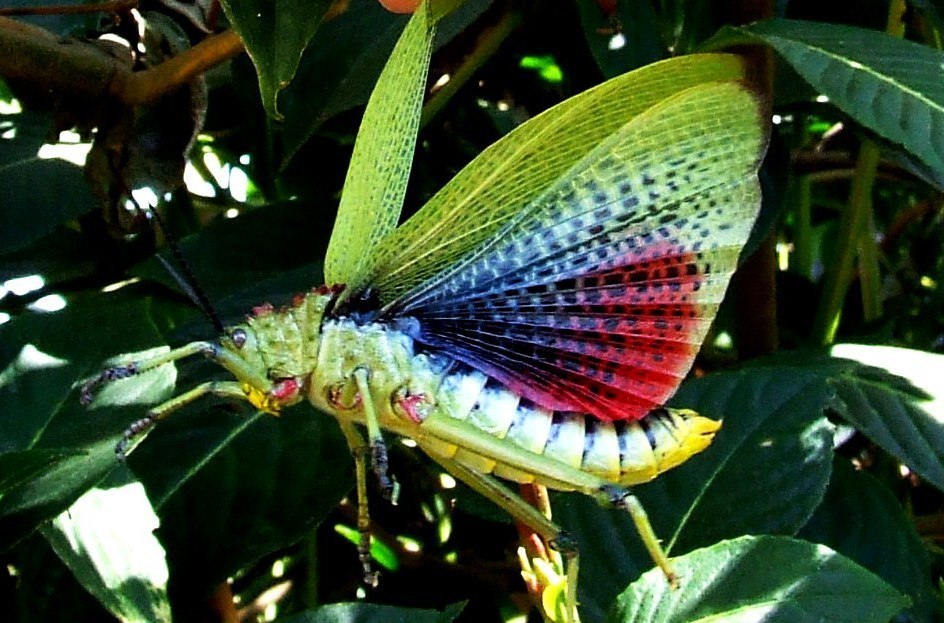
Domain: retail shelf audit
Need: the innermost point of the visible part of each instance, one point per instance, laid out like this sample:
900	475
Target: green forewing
475	205
383	155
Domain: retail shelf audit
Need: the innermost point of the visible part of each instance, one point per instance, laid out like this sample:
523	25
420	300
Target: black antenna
182	275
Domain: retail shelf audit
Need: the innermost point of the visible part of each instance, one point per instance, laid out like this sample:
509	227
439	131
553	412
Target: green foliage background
821	499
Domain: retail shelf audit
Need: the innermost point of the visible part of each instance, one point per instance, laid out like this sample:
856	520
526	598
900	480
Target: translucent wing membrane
476	204
596	296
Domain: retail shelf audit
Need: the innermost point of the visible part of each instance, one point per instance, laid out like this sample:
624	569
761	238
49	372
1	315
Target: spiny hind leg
549	472
554	589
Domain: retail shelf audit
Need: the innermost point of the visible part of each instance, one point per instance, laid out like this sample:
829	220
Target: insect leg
511	503
378	449
116	373
550	473
622	498
359	450
136	430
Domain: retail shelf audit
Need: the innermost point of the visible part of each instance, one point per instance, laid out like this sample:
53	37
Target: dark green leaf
36	195
771	579
339	72
237	254
372	613
260	482
17	468
887	84
765	473
898	402
862	520
276	33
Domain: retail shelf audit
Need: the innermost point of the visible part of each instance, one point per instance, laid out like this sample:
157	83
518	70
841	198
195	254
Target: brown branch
62	66
37	57
135	88
114	6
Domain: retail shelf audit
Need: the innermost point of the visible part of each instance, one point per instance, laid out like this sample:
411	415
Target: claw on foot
134	430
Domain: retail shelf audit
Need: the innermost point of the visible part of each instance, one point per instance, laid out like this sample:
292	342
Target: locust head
274	352
272	356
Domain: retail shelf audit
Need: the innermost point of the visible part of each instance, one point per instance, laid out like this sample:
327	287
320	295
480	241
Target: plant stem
870	279
485	47
803	230
65	67
855	232
839	272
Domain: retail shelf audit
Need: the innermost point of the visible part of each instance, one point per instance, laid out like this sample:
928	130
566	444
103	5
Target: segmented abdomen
624	452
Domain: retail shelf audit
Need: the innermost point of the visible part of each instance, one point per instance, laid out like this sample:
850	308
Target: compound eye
239	337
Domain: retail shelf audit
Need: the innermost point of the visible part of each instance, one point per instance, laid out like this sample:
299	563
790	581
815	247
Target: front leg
138	429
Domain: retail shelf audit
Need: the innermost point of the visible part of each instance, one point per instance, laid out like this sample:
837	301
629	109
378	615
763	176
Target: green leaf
106	538
771	460
17	468
340	71
898	402
36	195
766	472
47	493
372	613
275	33
42	413
383	155
861	519
294	469
887	84
766	579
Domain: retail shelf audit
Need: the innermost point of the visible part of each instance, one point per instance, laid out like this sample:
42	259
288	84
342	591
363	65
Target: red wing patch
615	343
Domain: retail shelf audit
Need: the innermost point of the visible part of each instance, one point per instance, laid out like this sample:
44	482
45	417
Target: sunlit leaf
771	579
107	539
898	402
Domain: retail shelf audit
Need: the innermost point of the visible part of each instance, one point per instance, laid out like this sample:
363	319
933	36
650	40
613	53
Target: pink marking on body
262	310
410	404
326	289
285	390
